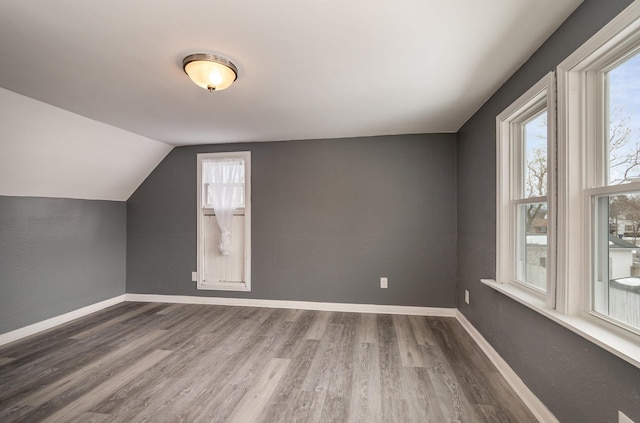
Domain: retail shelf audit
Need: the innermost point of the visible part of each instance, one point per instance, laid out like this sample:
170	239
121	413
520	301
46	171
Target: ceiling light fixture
211	72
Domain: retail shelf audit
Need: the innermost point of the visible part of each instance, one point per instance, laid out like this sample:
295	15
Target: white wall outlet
623	419
194	276
466	296
384	283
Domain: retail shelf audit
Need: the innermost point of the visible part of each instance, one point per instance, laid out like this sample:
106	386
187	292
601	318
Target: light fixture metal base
201	79
209	58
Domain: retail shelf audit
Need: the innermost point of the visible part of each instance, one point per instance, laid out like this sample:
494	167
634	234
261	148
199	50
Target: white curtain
224	187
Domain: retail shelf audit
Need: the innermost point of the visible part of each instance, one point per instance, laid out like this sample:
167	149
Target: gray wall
58	255
330	217
577	380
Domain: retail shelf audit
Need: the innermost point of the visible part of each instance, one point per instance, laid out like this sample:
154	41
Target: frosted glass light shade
213	73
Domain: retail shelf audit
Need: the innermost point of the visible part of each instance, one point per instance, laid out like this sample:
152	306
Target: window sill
617	344
225	286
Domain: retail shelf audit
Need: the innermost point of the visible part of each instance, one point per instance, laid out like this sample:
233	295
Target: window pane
535	156
623	110
532	245
225	174
616	286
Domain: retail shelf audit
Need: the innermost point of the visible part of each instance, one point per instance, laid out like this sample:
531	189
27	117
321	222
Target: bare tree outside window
536	172
624	148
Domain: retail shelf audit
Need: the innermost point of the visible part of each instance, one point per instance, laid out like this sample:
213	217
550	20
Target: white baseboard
25	331
537	407
303	305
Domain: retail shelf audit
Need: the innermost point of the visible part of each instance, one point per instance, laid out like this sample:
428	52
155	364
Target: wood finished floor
152	362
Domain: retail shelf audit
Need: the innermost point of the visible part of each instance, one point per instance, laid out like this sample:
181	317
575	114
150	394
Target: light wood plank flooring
151	362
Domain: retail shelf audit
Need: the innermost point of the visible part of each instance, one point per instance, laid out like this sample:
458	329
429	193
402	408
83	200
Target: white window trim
246	211
579	129
507	186
575	190
578	137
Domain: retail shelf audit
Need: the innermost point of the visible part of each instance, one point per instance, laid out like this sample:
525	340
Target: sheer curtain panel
224	192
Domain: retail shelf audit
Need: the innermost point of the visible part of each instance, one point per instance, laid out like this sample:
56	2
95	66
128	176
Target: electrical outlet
466	296
623	419
384	283
194	276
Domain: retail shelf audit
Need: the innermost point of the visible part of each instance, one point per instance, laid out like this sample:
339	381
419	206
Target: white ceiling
307	69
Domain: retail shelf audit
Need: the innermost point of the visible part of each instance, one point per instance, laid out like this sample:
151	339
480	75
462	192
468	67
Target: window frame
581	125
509	185
202	211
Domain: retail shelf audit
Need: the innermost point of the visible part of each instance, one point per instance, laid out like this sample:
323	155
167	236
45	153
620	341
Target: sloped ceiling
319	69
50	152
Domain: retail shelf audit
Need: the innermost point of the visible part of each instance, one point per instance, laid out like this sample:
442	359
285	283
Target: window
616	279
531	204
525	203
599	141
224	221
584	224
570	249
